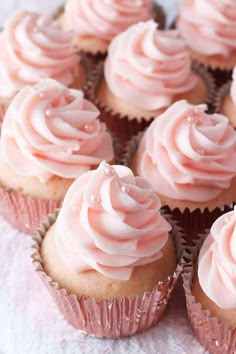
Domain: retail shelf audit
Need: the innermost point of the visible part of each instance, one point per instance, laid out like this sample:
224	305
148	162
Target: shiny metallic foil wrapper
24	212
216	337
109	318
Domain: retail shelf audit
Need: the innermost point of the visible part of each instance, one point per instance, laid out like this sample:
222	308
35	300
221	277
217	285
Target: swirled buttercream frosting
50	130
233	86
110	222
209	26
147	67
217	262
32	48
187	154
105	19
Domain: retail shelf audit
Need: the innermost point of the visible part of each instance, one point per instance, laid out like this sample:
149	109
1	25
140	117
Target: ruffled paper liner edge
223	91
216	337
193	222
109	318
126	126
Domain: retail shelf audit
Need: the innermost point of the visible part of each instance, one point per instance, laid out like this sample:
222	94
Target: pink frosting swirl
105	19
148	67
52	130
110	221
209	26
233	87
217	262
187	154
32	47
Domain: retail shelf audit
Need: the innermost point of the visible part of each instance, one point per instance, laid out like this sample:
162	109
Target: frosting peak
208	25
110	221
147	67
105	19
188	154
50	130
217	262
32	48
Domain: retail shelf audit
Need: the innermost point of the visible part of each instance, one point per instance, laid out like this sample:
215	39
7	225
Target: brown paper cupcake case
223	91
216	337
109	318
124	126
192	222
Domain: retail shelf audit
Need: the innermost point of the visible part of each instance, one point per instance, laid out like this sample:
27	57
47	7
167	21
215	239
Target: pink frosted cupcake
146	70
211	290
50	136
96	22
108	259
226	100
32	48
209	28
189	157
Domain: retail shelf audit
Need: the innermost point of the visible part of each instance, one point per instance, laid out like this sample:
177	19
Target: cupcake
209	28
96	23
189	157
50	136
146	70
33	48
108	258
226	100
211	294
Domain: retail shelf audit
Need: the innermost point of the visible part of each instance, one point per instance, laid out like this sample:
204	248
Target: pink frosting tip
147	67
32	48
217	262
50	130
187	154
110	221
105	19
209	26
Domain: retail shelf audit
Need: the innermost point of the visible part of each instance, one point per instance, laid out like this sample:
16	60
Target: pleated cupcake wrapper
193	222
126	126
216	337
109	318
221	94
24	212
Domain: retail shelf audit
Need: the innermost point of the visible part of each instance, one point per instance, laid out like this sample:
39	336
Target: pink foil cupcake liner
216	337
24	212
123	125
108	318
193	222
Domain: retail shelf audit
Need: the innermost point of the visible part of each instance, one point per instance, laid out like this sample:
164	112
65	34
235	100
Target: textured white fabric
29	321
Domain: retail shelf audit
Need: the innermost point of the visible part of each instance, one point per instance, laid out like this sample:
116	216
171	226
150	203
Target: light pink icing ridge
147	67
187	154
209	26
233	86
217	262
50	130
105	19
32	48
110	221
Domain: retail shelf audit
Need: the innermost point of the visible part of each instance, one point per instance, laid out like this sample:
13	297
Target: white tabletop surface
30	322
